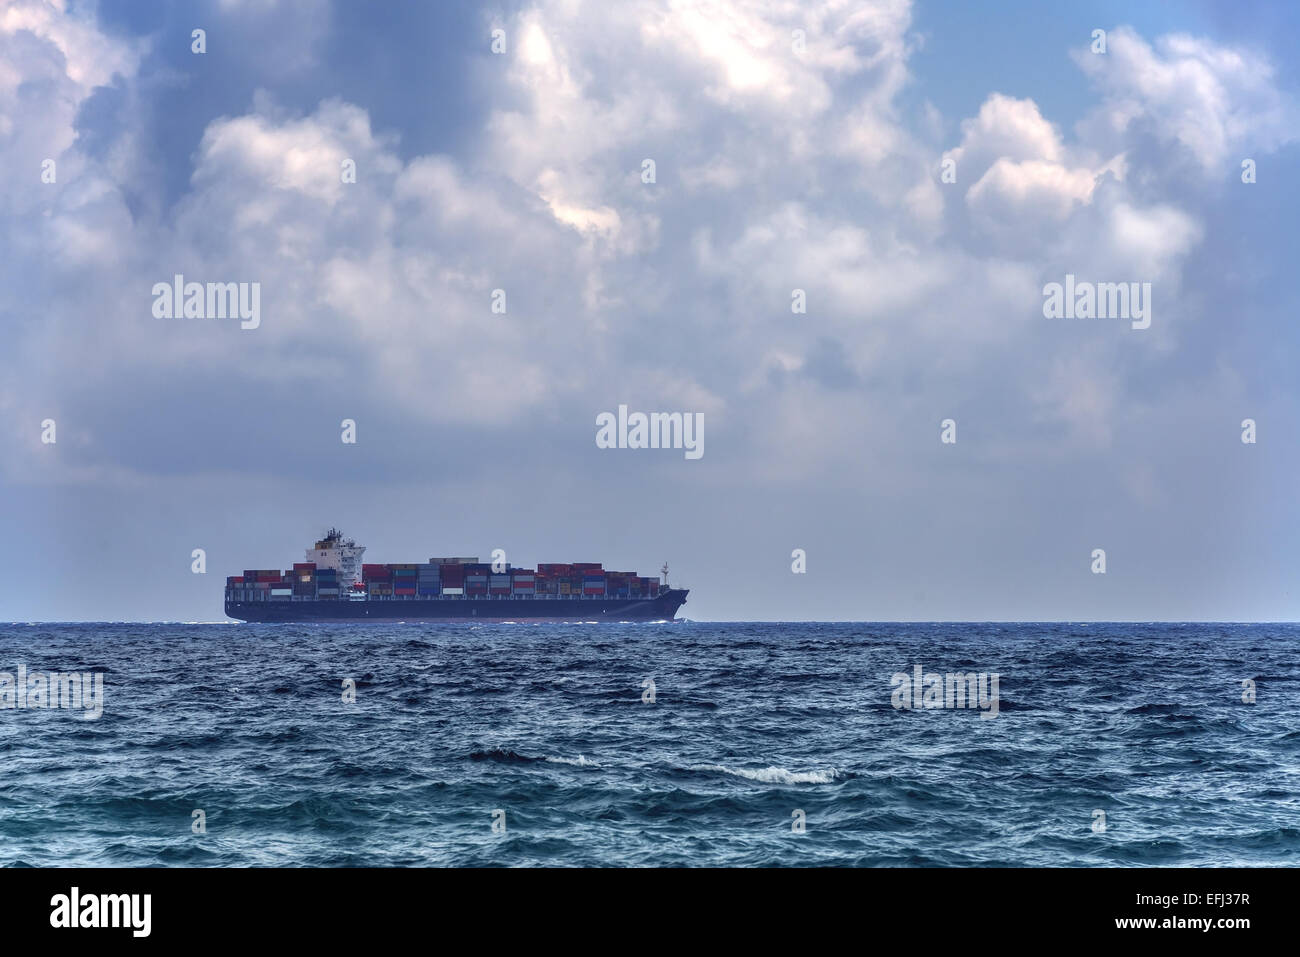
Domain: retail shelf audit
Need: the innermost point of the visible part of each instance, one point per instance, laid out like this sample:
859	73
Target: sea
670	744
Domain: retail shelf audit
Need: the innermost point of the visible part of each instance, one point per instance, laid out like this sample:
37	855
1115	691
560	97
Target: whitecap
578	762
774	775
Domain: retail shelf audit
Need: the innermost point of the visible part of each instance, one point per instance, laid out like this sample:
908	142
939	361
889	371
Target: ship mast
664	571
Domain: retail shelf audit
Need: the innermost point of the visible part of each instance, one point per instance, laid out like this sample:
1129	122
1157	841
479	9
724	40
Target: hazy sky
920	171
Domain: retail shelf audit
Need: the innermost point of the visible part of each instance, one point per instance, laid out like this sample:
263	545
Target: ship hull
662	608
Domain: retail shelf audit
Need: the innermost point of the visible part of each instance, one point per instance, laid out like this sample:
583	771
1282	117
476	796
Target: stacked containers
578	584
378	580
428	580
258	582
327	583
476	579
439	577
404	578
453	580
302	576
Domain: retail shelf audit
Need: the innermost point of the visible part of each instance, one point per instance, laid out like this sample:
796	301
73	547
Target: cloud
1217	103
780	166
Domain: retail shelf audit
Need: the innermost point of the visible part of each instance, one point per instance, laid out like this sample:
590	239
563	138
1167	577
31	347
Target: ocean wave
708	775
774	775
504	756
578	762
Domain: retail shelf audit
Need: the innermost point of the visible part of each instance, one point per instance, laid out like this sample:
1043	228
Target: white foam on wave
774	775
578	762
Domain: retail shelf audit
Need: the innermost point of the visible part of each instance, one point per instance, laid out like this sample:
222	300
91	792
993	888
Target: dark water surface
751	723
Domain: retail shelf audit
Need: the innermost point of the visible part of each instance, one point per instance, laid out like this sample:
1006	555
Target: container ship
334	585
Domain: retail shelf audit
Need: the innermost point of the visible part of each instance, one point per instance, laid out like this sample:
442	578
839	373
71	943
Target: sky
916	174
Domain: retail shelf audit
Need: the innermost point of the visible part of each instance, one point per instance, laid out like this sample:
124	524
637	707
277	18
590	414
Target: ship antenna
664	572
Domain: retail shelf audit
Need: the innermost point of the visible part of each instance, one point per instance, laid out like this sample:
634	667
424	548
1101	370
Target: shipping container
453	591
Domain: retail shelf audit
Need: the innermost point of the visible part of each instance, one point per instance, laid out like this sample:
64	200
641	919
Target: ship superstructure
337	553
